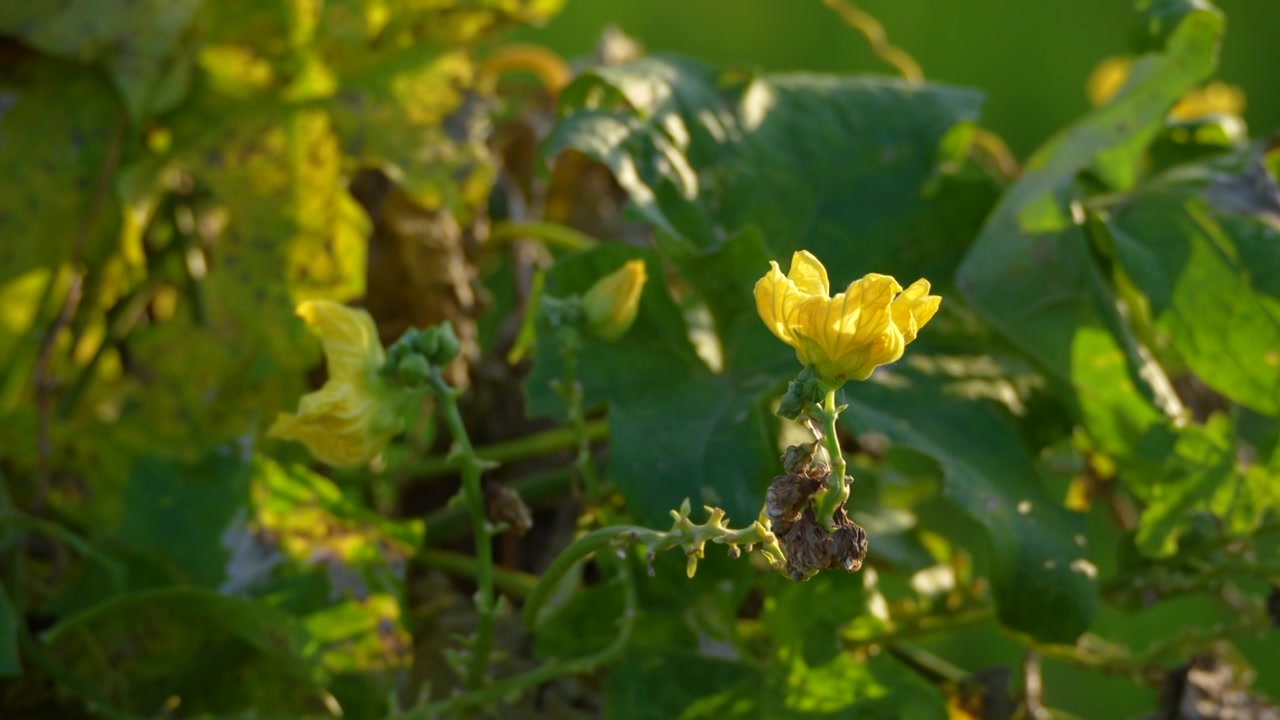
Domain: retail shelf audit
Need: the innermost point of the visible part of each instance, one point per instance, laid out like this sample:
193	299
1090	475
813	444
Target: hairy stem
514	582
551	234
535	445
572	395
837	491
577	551
472	467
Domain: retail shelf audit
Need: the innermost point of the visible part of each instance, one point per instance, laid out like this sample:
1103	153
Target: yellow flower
847	336
610	305
349	420
1216	98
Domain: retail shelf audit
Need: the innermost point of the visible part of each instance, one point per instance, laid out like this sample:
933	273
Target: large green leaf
676	429
1196	469
146	46
60	156
183	510
837	165
696	686
292	217
1042	579
1031	272
218	654
1207	275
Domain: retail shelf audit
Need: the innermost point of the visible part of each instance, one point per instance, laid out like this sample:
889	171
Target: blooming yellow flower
847	336
610	305
1216	98
350	419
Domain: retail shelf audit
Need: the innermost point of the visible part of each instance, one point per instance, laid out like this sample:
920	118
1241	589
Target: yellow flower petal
778	301
914	308
847	336
808	275
349	336
349	420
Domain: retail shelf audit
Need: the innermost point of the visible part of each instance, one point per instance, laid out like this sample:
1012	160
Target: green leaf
1031	272
693	687
219	654
1207	277
696	687
412	115
61	155
1196	469
183	510
1042	580
291	216
837	165
1199	460
805	617
676	429
10	662
146	46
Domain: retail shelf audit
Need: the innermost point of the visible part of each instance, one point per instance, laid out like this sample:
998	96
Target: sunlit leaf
1031	272
1206	275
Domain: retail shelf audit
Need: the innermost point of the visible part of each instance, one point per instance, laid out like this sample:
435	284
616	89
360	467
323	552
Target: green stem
472	467
508	687
580	549
450	521
683	533
837	491
515	582
115	571
905	628
552	234
536	445
572	394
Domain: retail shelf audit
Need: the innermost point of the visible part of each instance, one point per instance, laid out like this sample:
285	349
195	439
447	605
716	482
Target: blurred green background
1032	57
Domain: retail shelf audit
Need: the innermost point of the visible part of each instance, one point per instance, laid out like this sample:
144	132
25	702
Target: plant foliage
1070	485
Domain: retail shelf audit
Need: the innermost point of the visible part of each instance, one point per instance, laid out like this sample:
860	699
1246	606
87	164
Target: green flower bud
427	342
449	346
802	393
413	370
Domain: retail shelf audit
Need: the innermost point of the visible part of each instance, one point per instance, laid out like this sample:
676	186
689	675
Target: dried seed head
502	504
807	547
788	495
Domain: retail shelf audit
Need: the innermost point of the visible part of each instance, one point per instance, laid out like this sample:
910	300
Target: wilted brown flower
807	547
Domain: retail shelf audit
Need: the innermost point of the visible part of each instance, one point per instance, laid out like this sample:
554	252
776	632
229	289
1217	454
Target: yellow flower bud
349	420
848	336
610	305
